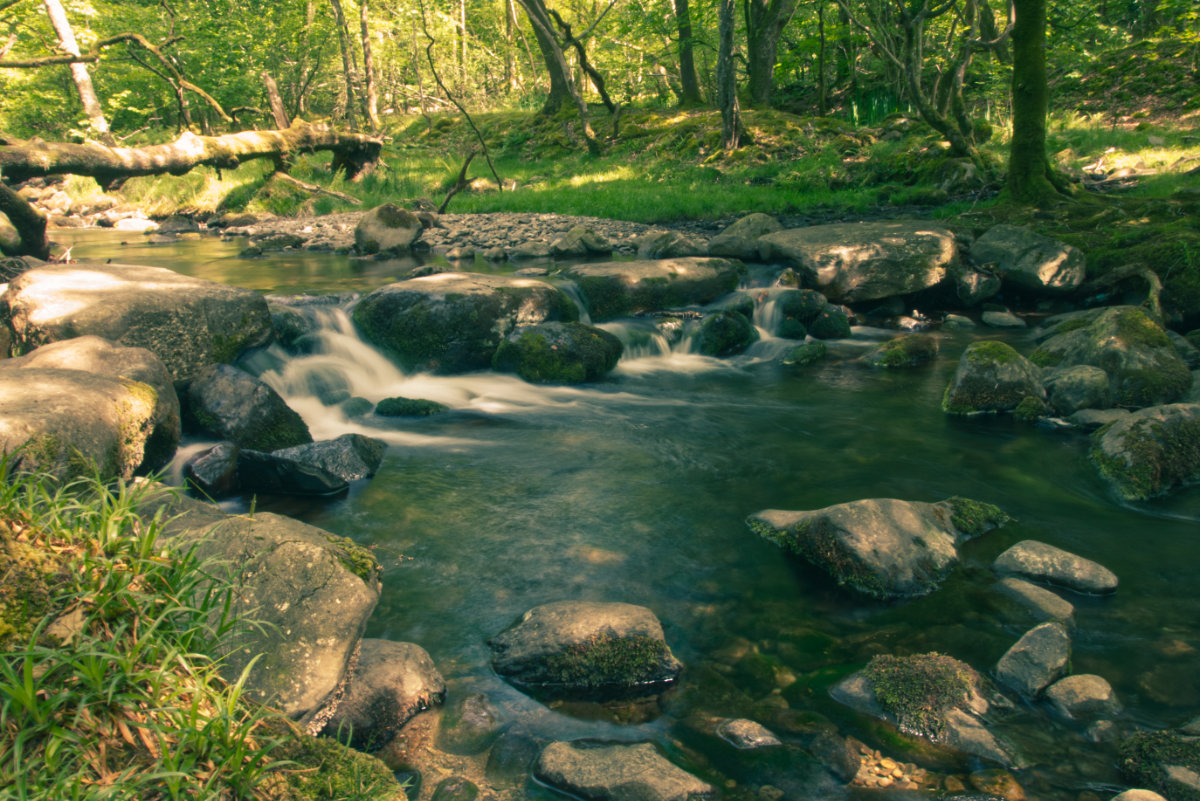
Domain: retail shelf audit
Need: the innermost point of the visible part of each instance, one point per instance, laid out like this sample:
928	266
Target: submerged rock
1042	603
746	734
883	548
798	309
231	404
855	262
1083	696
558	353
991	377
1150	451
616	289
1041	562
907	350
470	725
409	407
1036	660
605	772
1028	260
586	648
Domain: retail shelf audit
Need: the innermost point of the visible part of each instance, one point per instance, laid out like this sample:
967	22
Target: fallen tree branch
313	188
352	152
459	185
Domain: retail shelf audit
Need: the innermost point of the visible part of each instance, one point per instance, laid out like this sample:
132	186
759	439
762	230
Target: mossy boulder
558	353
33	578
991	377
1080	386
907	350
855	262
880	547
831	323
740	240
932	696
725	333
186	322
409	407
1143	366
230	404
1028	260
795	310
617	772
387	229
1166	761
806	354
322	769
1150	451
617	289
454	322
583	648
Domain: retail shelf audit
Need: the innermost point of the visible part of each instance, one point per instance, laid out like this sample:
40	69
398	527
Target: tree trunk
822	89
20	162
731	122
561	89
1028	167
29	222
79	71
347	68
690	84
764	24
277	111
372	104
510	43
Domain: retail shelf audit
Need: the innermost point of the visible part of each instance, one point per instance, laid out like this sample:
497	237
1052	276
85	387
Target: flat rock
855	262
1029	260
746	734
1042	603
599	772
1083	696
1036	660
616	289
1038	561
1150	451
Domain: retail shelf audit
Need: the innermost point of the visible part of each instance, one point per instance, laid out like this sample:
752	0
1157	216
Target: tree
1030	179
561	88
349	71
731	117
372	98
79	71
765	22
689	94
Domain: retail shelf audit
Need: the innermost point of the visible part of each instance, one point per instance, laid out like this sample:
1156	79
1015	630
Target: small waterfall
572	291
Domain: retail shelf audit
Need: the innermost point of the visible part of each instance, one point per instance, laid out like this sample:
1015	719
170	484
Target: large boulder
740	240
1150	451
1143	367
186	322
387	229
616	289
349	457
856	262
70	423
268	473
1027	260
1039	561
95	355
392	682
586	648
454	322
608	772
931	695
793	311
991	377
230	404
881	547
558	353
1080	386
1036	660
301	596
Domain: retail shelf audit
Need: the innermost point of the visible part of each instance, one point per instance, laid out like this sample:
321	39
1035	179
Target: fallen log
109	165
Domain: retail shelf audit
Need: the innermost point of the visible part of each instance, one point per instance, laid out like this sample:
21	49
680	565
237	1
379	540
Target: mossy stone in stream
908	350
991	377
409	407
558	353
806	354
725	334
918	691
1147	759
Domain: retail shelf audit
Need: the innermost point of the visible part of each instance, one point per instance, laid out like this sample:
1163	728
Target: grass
107	686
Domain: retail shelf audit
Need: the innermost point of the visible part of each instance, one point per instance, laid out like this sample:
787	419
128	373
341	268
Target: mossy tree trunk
689	82
731	117
765	22
1029	174
561	89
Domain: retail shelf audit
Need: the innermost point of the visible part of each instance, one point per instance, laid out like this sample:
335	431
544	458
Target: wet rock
1042	603
276	241
1142	365
1150	451
470	725
533	249
186	322
581	240
409	407
806	354
907	350
669	245
1038	561
974	286
991	377
1163	761
746	734
511	759
616	289
725	333
276	475
586	648
1079	387
214	472
1138	795
454	322
856	262
1037	660
93	354
600	772
797	309
1002	319
1083	696
387	229
957	322
1092	419
558	353
997	784
455	788
231	404
883	548
1027	260
831	323
349	457
392	682
740	240
355	407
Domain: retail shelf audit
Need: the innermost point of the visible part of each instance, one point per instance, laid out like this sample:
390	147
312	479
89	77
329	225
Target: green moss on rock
918	691
322	769
604	660
1146	756
973	518
408	407
355	558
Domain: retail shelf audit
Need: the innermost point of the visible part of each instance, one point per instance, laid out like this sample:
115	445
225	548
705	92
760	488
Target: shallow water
636	490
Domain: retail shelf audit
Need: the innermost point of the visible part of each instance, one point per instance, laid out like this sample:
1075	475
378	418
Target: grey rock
1151	451
1030	261
1042	603
1186	350
581	240
1092	419
855	262
1083	696
1082	386
470	725
392	682
740	240
746	734
616	289
268	473
1002	319
213	472
582	648
558	353
533	249
231	404
387	229
669	245
454	322
511	759
1038	561
1138	795
349	457
974	286
1036	660
186	322
600	772
455	788
957	322
991	377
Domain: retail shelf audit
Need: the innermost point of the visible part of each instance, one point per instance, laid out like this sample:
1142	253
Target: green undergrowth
107	686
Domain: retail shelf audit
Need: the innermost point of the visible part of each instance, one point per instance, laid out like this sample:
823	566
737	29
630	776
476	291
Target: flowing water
636	490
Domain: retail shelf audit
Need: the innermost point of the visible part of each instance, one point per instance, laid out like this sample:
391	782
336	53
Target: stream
636	489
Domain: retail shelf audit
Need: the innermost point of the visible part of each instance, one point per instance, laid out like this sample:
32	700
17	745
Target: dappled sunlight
618	173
